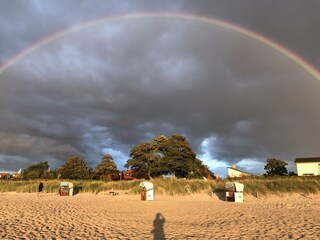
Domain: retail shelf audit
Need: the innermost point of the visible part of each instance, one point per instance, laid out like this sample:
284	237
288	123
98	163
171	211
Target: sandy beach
125	216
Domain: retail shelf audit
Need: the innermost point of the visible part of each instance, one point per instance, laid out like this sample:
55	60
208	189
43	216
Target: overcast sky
121	81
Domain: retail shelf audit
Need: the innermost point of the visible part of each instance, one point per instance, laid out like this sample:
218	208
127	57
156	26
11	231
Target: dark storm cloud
111	86
291	23
24	23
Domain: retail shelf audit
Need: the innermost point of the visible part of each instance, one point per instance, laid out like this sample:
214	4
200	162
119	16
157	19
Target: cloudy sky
93	77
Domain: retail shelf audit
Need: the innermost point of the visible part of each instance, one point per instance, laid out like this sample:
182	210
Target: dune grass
262	185
282	185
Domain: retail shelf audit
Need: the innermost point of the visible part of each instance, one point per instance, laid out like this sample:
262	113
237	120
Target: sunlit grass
261	185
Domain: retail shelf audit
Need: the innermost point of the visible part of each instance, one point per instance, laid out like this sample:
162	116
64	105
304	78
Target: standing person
40	188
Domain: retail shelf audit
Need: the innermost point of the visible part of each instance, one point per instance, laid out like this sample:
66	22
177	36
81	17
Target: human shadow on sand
158	227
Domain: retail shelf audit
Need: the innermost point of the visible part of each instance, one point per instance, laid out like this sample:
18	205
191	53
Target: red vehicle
127	175
133	173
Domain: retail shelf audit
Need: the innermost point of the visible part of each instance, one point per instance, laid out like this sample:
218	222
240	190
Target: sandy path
88	216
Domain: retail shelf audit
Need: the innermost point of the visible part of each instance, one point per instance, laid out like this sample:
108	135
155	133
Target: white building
308	166
234	172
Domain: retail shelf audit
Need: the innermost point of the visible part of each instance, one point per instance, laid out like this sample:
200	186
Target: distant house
234	172
4	175
7	175
16	174
308	166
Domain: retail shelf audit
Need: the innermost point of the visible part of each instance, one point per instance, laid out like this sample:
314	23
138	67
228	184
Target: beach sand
125	216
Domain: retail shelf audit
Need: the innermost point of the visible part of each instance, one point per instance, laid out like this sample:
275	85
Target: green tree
142	159
179	156
200	170
161	147
106	169
167	155
75	168
275	167
38	170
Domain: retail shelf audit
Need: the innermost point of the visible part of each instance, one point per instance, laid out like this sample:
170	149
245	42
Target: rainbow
225	25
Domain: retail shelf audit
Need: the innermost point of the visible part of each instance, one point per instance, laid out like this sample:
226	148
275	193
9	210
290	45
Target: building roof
239	170
3	174
307	160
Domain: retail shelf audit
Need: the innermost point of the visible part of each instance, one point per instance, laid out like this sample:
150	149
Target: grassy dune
262	185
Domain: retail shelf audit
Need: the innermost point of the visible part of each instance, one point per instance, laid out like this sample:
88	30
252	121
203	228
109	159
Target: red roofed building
4	175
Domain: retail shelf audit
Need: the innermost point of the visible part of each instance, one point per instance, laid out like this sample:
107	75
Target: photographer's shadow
158	227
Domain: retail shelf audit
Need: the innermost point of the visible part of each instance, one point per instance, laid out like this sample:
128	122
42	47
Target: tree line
162	156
